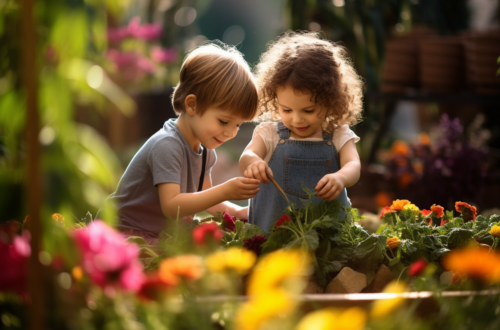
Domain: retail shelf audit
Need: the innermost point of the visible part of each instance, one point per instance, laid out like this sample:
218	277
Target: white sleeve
268	133
341	135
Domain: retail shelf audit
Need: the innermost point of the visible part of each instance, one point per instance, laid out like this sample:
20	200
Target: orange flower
426	212
438	210
399	204
383	198
58	218
424	139
400	148
474	262
469	212
385	210
172	270
392	242
457	277
405	179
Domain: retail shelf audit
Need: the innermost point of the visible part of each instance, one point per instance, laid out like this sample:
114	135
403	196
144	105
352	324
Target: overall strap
202	176
283	131
327	136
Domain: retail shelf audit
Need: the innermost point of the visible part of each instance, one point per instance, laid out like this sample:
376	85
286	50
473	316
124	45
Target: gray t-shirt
165	158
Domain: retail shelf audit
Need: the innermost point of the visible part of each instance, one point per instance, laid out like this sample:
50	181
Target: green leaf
277	240
459	237
381	228
139	240
369	254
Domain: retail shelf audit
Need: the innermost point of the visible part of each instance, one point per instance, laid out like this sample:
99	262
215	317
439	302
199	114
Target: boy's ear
190	104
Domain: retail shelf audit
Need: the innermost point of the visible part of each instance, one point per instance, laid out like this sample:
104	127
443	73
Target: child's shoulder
266	128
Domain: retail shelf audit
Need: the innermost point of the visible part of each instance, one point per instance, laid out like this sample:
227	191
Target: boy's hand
241	188
242	213
330	186
258	170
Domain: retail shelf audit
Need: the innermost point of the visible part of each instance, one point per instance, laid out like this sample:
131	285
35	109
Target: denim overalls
294	162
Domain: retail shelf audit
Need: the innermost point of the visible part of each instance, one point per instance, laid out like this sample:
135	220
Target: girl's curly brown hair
310	65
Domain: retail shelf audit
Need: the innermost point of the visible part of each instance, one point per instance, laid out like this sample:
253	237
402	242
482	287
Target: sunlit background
106	71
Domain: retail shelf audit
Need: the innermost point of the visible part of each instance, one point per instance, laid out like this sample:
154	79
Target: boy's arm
331	185
252	164
171	198
240	212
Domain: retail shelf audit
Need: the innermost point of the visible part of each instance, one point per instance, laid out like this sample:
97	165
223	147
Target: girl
310	94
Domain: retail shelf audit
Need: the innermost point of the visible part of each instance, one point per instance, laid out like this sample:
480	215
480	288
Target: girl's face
299	113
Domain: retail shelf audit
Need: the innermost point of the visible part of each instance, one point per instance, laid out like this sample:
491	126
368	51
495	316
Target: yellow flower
399	204
392	242
59	218
495	230
351	319
77	273
235	258
384	307
277	269
412	207
259	309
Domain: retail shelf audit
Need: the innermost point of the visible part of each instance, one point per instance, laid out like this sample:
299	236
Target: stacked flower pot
481	52
442	64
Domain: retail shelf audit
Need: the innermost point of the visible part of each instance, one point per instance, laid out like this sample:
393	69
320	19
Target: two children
308	92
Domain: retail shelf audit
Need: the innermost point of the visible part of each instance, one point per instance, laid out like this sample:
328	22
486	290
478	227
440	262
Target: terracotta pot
482	51
442	65
400	70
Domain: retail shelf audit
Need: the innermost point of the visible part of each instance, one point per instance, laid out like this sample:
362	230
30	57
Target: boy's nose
231	132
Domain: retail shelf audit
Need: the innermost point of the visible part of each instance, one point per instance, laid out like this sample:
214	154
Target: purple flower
164	55
14	261
108	259
255	243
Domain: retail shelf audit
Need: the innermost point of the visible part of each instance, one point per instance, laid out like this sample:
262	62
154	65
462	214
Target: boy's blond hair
219	77
309	64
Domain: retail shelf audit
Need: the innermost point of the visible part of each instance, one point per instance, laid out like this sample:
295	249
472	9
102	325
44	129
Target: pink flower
122	60
147	31
284	218
255	243
204	232
228	222
118	34
417	267
108	259
164	55
14	260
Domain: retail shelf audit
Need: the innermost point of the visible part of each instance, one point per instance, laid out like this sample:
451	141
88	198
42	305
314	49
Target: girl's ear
190	104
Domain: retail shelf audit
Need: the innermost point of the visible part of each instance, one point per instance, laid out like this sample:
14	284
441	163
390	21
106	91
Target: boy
216	93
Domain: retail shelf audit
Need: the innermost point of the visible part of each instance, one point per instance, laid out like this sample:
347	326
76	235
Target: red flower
469	212
14	260
438	210
153	288
203	232
255	243
418	267
228	222
284	218
426	212
385	210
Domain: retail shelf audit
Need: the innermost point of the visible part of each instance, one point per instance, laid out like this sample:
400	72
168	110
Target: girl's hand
241	188
330	186
258	170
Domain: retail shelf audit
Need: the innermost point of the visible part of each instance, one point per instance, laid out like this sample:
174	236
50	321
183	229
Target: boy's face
299	113
215	127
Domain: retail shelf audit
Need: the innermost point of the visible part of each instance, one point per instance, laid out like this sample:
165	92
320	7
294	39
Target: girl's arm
252	164
331	185
171	197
